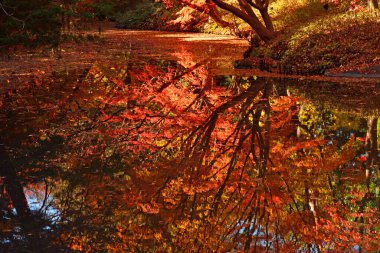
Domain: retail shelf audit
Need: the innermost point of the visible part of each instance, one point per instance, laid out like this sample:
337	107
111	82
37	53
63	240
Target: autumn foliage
159	155
243	9
194	166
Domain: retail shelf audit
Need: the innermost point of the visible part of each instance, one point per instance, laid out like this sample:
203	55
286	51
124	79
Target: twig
11	15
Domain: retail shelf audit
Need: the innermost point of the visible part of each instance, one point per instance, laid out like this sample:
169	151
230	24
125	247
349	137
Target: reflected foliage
168	157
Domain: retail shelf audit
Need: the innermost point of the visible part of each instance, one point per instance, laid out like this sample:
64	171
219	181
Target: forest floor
337	44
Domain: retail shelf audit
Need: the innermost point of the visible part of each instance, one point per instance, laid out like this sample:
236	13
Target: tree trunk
262	31
13	185
267	19
373	5
264	34
372	166
371	147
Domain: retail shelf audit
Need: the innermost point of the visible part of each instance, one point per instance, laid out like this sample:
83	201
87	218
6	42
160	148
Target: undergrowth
314	39
146	16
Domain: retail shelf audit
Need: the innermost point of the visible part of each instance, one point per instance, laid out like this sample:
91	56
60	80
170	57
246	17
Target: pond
157	144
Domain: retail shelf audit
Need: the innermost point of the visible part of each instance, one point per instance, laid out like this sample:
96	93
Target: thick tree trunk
13	185
248	16
265	34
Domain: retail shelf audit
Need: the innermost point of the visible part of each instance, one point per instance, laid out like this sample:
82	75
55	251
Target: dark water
168	149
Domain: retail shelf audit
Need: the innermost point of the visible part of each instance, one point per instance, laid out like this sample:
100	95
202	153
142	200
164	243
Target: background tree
29	22
254	13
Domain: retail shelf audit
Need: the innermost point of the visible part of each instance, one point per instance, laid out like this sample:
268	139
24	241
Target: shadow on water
163	155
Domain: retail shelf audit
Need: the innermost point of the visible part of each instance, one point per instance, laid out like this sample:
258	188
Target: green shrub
147	15
140	17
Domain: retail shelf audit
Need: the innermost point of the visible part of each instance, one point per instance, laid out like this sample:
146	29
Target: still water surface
161	146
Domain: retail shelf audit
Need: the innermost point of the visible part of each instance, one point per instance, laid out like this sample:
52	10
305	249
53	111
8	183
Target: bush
147	16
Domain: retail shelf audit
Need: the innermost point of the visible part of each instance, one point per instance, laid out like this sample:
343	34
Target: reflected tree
165	157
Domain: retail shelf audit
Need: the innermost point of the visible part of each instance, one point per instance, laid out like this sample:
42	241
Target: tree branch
11	15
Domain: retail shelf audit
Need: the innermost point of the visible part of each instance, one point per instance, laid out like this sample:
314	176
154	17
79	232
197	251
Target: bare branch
11	15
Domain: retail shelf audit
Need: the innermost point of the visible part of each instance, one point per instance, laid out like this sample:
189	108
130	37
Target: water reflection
166	156
40	201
